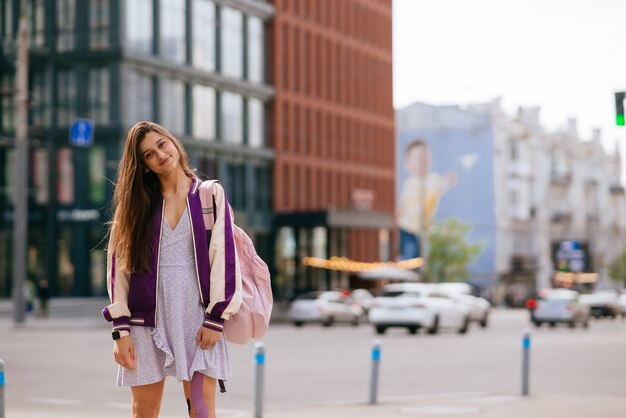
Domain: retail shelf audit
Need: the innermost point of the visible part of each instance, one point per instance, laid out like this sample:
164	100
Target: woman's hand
207	337
124	352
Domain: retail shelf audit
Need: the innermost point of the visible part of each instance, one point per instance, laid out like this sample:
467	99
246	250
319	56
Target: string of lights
348	265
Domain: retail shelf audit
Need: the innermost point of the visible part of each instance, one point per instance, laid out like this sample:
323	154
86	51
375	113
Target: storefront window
204	35
97	262
232	42
255	49
232	117
203	112
99	24
65	273
139	96
139	26
66	23
172	30
285	263
172	105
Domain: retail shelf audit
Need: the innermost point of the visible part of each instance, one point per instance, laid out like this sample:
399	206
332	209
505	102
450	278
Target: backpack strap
208	203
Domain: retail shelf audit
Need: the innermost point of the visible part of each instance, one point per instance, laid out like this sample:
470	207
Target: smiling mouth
166	160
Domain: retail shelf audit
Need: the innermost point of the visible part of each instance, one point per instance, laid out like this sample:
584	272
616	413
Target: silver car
554	306
326	308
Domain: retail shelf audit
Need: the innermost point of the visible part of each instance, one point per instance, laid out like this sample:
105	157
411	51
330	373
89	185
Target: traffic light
619	108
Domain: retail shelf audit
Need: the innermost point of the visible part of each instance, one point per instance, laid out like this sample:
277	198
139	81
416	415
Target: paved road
64	368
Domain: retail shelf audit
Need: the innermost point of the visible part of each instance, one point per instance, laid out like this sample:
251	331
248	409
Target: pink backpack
253	317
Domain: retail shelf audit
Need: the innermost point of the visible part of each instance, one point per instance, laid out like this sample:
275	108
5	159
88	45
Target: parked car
364	298
602	303
326	307
479	308
554	306
417	305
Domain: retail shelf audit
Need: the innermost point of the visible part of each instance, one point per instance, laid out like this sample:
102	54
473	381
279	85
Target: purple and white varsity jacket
134	296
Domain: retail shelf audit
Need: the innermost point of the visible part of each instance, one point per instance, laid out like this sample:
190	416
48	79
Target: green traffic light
620	119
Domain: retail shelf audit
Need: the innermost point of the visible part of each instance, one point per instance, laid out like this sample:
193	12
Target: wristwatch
116	335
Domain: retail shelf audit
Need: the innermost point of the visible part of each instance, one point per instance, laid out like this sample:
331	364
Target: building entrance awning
337	218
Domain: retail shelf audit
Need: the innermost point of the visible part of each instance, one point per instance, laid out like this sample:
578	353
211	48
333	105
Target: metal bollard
2	384
259	361
375	364
525	361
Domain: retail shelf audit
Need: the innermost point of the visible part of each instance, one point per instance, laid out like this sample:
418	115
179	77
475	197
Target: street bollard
375	364
2	384
525	361
259	361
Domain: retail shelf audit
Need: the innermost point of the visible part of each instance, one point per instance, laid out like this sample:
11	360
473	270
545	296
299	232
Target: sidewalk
477	404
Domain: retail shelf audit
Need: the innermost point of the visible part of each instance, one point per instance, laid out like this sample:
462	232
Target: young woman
171	284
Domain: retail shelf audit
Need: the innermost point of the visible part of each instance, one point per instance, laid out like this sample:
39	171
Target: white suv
417	305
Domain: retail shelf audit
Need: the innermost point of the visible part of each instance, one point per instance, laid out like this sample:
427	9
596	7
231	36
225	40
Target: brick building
332	130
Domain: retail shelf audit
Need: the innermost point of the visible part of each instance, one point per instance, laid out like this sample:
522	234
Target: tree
449	251
617	270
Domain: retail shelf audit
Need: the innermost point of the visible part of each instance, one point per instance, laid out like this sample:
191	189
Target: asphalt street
63	367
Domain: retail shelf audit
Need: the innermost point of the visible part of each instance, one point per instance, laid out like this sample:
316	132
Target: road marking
440	410
56	401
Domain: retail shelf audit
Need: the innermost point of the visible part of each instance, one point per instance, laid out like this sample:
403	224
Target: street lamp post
20	211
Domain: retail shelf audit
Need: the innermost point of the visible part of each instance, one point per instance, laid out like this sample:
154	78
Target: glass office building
198	67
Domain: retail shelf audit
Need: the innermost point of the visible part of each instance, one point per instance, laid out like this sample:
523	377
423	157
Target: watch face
116	335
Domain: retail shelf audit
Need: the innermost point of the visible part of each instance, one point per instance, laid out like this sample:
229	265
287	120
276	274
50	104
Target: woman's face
158	153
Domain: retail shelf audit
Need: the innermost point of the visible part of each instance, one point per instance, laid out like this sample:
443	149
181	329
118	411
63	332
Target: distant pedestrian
160	275
29	293
43	294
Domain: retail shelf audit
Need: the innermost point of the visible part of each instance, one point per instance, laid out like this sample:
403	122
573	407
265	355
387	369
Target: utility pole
20	191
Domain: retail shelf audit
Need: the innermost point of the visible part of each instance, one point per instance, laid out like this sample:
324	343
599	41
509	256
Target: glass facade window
262	189
97	166
203	124
232	117
40	169
236	185
66	97
99	95
255	50
232	42
139	26
204	35
65	179
40	110
172	105
139	96
99	24
256	127
37	24
8	41
172	30
66	23
7	83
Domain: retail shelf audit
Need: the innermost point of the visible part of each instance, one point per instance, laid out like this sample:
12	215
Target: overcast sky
568	57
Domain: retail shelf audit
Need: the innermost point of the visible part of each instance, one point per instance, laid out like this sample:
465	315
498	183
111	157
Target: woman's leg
147	400
200	395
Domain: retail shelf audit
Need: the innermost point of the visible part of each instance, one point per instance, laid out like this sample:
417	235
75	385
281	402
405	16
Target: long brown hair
137	192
